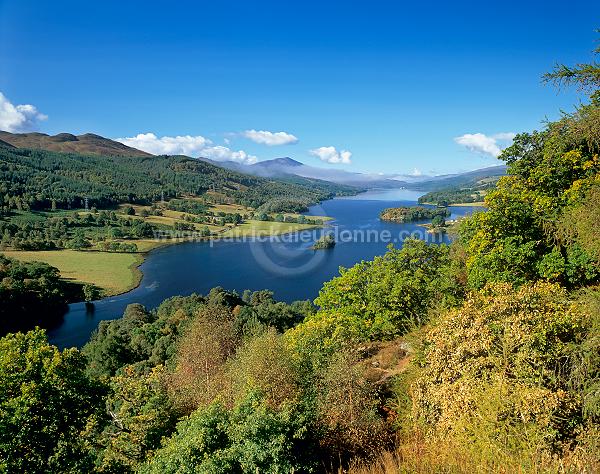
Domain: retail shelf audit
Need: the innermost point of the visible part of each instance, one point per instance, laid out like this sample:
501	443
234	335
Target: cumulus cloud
196	146
18	118
223	153
265	137
179	145
329	154
491	145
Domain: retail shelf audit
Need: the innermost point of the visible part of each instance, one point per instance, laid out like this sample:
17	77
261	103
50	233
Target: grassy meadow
115	273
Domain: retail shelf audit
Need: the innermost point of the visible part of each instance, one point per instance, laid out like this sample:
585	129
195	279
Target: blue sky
393	83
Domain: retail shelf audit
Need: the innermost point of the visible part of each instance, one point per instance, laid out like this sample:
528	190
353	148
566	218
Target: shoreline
145	248
132	275
458	204
139	275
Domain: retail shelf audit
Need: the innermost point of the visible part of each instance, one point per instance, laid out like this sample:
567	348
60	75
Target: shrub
497	371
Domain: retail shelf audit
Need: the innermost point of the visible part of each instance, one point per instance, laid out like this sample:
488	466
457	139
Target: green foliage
150	338
250	438
578	225
284	205
385	297
122	342
46	400
90	293
111	246
227	364
327	241
459	194
411	214
30	293
515	240
301	219
187	205
262	311
199	445
438	221
41	231
140	415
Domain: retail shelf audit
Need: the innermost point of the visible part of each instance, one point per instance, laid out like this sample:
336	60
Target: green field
115	273
265	228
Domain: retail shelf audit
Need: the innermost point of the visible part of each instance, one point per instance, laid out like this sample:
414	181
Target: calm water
285	265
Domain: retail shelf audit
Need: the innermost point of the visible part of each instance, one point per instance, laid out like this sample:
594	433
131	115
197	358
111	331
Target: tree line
39	179
414	213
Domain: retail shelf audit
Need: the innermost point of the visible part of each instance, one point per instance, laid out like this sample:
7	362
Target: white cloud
265	137
416	172
484	144
509	136
196	146
222	153
329	154
18	118
180	145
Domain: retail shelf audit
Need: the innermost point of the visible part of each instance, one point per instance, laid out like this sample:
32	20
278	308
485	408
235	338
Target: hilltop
87	143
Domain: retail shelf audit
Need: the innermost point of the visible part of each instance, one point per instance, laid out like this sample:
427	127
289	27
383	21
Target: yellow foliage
502	342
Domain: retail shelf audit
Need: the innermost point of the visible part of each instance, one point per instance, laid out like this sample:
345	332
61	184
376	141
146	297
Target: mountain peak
284	161
63	137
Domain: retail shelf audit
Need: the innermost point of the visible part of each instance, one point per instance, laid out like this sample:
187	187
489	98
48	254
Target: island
411	214
325	242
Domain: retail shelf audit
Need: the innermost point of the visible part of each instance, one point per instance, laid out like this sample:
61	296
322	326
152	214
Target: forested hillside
479	356
39	179
459	194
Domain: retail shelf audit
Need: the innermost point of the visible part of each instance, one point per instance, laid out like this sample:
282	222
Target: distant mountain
468	179
280	168
68	143
286	167
286	161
